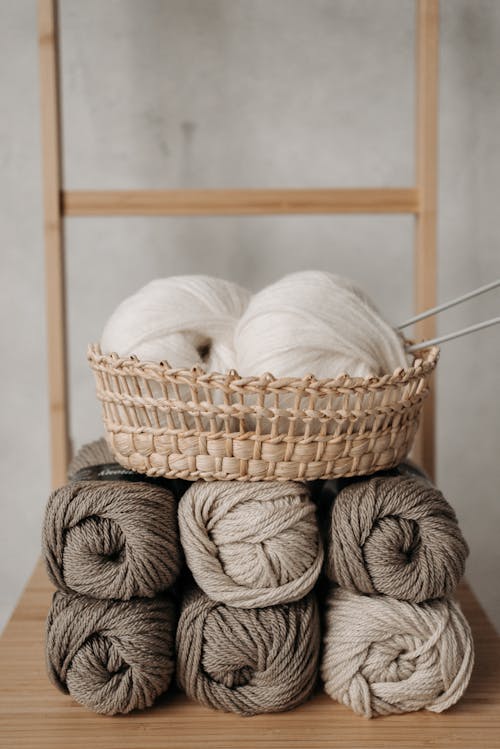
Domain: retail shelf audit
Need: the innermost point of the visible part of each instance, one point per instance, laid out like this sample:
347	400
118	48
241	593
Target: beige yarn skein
385	656
247	661
395	535
251	544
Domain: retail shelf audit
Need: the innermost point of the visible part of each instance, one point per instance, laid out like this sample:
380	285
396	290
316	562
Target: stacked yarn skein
111	547
248	636
397	536
247	661
394	640
384	656
251	544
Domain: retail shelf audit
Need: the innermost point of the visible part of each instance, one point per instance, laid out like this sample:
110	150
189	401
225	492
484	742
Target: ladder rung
238	202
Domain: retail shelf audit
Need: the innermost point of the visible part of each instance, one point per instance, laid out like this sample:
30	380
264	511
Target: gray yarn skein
111	539
247	661
251	544
397	536
111	656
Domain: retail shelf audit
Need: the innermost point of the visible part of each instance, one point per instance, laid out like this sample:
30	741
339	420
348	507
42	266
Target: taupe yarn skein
111	656
111	538
247	661
385	656
397	536
92	454
251	544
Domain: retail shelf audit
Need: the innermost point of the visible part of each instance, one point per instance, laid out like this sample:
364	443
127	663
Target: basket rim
424	362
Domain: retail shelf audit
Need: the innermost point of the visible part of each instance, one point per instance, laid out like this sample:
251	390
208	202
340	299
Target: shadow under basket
188	424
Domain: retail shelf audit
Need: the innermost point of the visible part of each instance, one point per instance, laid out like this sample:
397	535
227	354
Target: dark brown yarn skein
397	536
247	661
111	656
111	538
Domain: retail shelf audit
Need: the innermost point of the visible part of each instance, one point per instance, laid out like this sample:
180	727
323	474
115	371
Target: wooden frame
54	242
249	202
419	201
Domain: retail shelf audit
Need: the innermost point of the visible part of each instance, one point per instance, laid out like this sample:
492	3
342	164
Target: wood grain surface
425	252
33	714
55	278
238	202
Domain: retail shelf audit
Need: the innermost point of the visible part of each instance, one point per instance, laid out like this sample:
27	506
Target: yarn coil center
257	541
93	541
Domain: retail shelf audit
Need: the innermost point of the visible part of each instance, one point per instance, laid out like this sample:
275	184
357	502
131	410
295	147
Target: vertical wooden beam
54	240
427	65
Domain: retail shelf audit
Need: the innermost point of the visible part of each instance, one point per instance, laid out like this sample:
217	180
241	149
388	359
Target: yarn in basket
251	544
184	320
385	656
247	661
310	322
395	535
111	656
111	538
319	323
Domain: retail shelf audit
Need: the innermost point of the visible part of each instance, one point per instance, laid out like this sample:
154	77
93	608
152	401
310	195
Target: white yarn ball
184	320
318	323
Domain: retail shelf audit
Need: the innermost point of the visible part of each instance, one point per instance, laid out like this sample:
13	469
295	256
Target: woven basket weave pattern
193	425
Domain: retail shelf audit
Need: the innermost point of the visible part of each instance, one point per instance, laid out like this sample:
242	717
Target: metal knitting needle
450	303
457	334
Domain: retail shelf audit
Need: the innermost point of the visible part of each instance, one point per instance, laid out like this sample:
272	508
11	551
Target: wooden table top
34	714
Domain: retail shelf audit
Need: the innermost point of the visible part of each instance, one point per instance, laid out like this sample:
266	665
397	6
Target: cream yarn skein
385	656
251	544
184	320
318	323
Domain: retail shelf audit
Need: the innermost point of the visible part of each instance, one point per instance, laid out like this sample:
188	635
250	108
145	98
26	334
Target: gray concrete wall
248	93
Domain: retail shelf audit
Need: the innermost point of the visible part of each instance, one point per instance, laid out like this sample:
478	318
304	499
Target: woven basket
193	425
